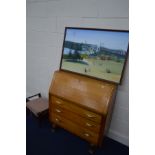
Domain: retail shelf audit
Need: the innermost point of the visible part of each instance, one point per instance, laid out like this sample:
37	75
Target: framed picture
97	53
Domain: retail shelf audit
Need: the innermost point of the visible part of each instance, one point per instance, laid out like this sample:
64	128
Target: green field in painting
104	69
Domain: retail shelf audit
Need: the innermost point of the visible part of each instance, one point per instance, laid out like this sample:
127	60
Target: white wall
46	20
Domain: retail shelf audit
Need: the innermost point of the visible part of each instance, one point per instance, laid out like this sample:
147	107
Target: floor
42	141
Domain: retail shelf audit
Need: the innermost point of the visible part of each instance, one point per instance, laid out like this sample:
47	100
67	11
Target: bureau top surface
87	92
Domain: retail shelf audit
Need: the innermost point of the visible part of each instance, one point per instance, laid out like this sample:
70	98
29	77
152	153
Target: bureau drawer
76	109
84	122
74	128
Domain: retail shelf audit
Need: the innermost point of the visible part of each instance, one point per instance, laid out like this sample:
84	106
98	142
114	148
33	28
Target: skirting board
118	137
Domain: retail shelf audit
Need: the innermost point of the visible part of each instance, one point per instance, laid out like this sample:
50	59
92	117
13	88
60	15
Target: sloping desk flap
91	93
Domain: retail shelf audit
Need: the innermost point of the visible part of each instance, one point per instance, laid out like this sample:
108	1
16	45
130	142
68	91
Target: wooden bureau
81	105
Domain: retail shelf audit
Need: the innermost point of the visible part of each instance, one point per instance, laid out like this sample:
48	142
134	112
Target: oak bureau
81	105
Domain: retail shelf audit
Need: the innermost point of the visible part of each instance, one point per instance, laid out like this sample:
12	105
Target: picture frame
95	53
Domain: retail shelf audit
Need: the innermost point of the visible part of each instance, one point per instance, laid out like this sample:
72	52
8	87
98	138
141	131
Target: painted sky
109	39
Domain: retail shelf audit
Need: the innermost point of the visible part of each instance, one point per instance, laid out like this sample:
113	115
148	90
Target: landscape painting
95	52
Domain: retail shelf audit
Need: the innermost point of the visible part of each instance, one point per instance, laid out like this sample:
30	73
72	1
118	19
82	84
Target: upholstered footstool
38	106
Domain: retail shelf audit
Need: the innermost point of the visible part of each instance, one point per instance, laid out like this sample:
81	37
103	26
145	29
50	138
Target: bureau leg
92	149
54	126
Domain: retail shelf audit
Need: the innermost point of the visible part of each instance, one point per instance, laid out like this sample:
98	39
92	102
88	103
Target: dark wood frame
96	29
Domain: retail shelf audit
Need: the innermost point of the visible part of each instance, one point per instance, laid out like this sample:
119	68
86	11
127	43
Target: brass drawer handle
90	116
87	135
90	125
57	120
57	110
58	102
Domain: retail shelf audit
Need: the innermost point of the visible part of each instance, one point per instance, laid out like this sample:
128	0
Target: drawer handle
90	125
57	110
87	135
57	120
58	102
90	116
